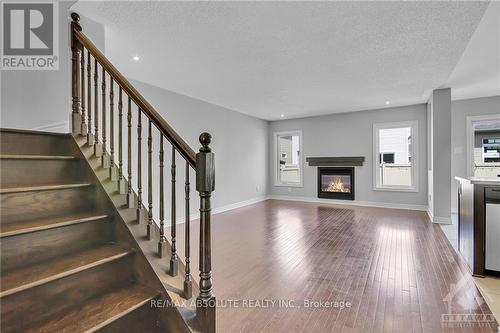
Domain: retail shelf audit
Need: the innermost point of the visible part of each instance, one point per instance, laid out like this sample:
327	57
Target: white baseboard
61	127
441	220
430	215
240	204
222	209
351	202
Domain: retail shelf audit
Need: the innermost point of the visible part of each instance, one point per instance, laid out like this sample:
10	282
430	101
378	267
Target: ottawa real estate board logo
30	35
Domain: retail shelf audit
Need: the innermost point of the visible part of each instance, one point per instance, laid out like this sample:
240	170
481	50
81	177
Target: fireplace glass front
336	183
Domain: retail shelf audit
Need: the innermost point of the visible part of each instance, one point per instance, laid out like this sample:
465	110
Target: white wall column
439	122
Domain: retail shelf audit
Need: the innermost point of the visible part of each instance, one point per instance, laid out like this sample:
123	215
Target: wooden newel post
76	117
205	184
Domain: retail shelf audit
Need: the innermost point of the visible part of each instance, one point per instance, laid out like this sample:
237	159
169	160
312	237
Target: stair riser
139	320
42	302
19	173
43	245
34	144
43	204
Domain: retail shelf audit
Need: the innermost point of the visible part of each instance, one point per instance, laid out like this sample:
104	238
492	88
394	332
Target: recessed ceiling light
136	58
387	102
282	115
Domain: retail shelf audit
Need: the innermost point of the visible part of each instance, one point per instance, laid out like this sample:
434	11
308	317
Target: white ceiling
477	73
300	58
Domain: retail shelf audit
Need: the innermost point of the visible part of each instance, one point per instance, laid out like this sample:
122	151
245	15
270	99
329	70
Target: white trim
275	159
442	220
429	214
350	202
413	124
239	204
470	137
430	192
60	127
438	219
222	209
395	188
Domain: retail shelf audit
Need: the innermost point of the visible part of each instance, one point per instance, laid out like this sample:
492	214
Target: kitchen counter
480	180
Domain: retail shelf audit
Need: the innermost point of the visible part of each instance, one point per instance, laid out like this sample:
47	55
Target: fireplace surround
336	183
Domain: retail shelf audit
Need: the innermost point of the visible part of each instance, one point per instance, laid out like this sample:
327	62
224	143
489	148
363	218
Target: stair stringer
148	249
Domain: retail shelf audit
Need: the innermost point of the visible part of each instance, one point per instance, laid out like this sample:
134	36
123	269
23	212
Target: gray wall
244	160
460	110
40	99
351	134
240	143
95	31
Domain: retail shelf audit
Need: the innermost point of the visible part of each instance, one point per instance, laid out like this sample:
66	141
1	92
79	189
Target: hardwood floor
393	267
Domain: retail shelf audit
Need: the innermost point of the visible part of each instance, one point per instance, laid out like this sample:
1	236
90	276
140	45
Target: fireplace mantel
336	161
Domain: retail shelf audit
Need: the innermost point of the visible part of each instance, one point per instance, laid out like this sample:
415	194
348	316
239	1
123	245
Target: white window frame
276	165
413	124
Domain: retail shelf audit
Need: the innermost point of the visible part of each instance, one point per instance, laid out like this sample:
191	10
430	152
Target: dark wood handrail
182	147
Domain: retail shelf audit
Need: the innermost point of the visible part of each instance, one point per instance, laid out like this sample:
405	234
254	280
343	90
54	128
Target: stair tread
41	273
43	187
100	311
36	157
17	228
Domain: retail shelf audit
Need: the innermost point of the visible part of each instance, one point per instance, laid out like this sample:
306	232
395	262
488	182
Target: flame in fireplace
336	185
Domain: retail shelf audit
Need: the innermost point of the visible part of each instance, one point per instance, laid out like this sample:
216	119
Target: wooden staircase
66	263
80	249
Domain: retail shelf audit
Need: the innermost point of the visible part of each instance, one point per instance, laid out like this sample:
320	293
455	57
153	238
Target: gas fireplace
336	183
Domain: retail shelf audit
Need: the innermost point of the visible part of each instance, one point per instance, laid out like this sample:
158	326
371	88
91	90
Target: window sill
288	185
396	189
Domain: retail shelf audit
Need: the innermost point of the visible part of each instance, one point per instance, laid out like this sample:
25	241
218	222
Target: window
288	152
395	159
483	146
